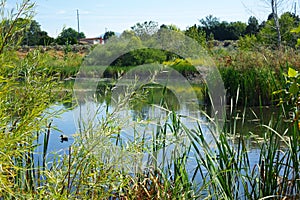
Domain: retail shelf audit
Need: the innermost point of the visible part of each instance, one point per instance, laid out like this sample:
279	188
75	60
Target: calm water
141	119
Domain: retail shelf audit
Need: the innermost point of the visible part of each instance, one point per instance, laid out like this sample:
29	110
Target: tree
69	36
197	34
145	30
288	22
171	27
108	35
269	35
275	4
236	30
127	34
35	36
222	30
209	23
252	27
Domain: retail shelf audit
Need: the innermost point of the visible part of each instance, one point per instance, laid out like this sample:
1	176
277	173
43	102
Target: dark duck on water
64	138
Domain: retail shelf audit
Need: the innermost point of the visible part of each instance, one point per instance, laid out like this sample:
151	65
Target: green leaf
294	89
298	43
278	91
292	73
296	30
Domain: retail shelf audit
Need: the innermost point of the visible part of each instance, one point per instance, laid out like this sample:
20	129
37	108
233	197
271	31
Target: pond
148	114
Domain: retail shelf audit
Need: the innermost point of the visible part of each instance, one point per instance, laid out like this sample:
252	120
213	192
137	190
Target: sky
98	16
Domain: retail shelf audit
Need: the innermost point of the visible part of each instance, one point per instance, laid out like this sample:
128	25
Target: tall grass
168	161
103	164
257	73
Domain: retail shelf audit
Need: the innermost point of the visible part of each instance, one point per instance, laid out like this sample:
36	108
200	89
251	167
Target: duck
64	138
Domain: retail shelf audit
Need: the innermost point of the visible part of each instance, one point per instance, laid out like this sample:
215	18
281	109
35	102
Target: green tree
236	30
145	30
69	36
253	26
229	31
222	30
171	27
209	23
35	36
269	35
127	34
288	22
197	34
275	5
297	31
108	35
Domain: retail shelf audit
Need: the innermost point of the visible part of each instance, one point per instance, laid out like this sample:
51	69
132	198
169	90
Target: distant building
96	40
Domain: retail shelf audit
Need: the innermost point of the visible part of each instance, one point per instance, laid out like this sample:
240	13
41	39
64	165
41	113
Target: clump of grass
257	73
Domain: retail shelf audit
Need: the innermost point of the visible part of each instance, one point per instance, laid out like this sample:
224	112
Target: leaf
278	91
292	73
298	43
296	30
294	89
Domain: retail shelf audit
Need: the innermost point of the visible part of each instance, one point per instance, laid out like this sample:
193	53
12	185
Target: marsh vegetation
147	142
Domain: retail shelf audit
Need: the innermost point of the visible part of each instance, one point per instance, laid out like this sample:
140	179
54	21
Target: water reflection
147	119
151	108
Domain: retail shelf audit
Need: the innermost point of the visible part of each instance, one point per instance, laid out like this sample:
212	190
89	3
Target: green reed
100	164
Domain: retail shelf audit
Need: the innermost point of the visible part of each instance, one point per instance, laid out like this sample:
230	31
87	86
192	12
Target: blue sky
96	16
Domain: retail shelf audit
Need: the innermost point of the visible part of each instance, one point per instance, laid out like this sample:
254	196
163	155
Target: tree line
209	28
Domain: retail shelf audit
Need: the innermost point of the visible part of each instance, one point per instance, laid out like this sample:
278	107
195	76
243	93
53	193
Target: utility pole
78	22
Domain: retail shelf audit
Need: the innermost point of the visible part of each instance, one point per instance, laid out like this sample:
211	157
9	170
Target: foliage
13	24
145	30
236	30
136	54
101	165
171	27
182	66
257	73
140	57
291	93
128	34
35	36
252	27
25	94
222	30
108	34
69	36
296	31
288	22
248	42
197	34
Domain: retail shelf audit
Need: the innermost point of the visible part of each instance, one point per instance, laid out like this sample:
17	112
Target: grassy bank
256	72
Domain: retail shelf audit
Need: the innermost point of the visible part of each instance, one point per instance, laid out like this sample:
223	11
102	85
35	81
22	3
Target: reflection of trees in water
142	114
141	107
155	95
103	93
